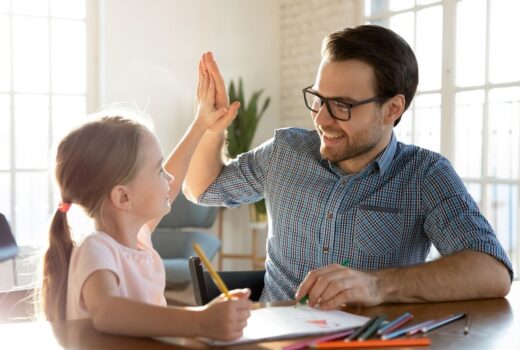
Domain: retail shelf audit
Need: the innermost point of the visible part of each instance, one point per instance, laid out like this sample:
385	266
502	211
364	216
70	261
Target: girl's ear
394	108
119	196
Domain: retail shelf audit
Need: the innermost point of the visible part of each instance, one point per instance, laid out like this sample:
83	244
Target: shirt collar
385	159
381	163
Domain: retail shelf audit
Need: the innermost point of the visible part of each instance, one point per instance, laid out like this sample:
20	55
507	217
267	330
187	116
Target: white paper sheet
290	322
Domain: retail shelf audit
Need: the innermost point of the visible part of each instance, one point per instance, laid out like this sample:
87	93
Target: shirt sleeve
243	180
94	254
453	221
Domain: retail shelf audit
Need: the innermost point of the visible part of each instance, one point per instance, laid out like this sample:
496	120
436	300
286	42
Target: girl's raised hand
215	86
207	114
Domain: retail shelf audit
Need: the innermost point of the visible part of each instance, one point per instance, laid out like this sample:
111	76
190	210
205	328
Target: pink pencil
307	343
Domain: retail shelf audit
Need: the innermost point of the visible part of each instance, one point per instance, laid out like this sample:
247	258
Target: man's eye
341	106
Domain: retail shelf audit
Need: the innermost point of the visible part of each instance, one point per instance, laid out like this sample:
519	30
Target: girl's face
149	189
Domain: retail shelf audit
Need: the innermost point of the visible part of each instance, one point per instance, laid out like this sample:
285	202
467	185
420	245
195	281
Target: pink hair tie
64	206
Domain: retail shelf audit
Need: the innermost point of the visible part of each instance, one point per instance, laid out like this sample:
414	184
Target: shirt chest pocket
378	230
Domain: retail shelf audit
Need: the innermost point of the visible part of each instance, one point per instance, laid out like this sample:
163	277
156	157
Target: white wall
304	24
149	52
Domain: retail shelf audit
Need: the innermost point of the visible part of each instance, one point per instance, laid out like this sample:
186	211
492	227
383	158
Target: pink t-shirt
140	272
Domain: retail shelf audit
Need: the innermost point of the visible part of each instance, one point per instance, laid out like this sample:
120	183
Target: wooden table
495	325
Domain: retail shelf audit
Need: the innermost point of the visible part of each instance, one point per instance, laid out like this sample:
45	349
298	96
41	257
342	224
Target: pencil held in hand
214	275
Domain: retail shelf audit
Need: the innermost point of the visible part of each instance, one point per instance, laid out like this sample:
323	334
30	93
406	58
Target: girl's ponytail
56	267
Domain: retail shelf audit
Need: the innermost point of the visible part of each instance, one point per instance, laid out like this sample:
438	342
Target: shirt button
329	215
343	182
325	249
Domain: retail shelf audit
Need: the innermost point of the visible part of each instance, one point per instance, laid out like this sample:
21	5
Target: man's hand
332	286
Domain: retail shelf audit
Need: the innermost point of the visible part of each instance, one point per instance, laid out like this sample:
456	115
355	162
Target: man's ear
394	108
120	198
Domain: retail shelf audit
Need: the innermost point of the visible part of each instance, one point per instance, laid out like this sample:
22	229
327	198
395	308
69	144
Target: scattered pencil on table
374	343
372	329
361	329
405	331
468	323
310	343
441	322
393	325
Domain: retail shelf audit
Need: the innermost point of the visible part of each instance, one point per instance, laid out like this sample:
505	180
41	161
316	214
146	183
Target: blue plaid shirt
385	216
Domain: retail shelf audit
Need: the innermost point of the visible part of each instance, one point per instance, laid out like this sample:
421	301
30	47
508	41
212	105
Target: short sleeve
95	253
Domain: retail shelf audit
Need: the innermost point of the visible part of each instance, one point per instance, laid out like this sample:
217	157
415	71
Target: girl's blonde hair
90	161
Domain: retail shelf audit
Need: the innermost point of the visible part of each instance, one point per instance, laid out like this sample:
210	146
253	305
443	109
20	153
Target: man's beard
346	154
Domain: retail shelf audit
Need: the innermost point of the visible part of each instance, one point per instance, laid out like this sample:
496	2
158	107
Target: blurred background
63	59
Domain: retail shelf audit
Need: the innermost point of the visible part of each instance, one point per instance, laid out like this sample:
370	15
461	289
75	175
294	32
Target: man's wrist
387	285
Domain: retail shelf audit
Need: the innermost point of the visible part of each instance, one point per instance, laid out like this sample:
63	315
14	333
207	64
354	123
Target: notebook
285	322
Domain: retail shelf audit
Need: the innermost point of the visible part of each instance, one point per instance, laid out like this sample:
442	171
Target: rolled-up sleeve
453	221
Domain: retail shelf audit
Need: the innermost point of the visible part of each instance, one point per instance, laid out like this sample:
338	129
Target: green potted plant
241	132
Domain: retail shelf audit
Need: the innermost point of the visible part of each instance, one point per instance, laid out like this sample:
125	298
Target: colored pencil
361	329
214	275
404	331
468	323
441	322
393	325
310	342
376	343
372	329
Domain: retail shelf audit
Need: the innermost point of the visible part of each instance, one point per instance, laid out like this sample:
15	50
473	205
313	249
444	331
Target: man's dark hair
393	61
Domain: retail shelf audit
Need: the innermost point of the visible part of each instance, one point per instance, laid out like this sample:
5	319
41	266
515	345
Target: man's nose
323	116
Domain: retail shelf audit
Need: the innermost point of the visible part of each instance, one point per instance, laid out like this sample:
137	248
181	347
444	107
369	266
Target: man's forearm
205	166
462	276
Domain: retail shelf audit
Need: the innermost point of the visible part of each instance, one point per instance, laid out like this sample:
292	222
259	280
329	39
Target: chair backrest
187	214
8	246
205	290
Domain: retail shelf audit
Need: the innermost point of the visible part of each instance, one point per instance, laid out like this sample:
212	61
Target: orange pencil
377	343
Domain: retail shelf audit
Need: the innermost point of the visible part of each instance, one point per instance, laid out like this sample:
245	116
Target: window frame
448	92
24	265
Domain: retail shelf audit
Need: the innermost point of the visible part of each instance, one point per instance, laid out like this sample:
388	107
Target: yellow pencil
214	275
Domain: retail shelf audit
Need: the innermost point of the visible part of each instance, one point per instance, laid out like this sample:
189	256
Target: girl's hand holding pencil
223	318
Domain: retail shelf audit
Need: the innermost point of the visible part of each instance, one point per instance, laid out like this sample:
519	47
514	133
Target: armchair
174	237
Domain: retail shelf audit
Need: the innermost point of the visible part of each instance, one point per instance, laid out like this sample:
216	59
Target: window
43	79
468	100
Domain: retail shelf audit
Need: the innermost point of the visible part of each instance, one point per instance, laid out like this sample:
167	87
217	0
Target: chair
205	290
8	247
174	237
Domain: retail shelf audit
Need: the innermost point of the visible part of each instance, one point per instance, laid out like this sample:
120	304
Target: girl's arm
221	319
206	115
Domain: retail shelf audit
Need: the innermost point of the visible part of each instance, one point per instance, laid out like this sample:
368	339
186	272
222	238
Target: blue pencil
404	331
393	325
441	322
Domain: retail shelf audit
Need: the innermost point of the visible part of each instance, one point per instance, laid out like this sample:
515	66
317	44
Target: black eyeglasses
338	108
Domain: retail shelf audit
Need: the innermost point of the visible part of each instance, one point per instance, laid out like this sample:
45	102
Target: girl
113	169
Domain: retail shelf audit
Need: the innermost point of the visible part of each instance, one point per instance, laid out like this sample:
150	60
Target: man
349	192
